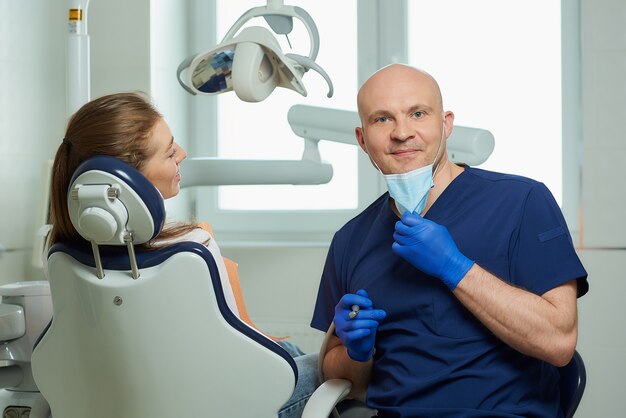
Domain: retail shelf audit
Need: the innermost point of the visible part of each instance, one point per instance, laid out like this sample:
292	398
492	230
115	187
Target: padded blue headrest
138	205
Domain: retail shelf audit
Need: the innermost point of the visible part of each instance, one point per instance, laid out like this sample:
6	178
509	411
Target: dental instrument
354	312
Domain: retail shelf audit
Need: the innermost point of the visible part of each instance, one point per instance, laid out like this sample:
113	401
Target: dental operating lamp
250	62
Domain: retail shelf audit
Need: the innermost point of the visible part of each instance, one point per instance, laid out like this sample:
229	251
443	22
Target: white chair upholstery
162	345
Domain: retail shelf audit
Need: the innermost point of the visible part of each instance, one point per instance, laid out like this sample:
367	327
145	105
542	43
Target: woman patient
128	127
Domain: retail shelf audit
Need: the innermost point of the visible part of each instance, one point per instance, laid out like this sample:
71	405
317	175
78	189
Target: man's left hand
429	247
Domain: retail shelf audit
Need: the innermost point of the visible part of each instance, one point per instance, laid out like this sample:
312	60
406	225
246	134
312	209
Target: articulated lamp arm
468	145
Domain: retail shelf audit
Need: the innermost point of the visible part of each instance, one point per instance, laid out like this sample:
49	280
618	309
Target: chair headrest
108	198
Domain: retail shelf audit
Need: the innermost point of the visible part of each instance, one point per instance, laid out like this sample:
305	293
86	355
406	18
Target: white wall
602	335
32	120
603	108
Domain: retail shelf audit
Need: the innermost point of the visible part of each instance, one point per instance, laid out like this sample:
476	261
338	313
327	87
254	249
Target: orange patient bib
233	278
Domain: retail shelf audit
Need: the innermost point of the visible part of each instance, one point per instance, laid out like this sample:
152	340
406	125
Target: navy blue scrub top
433	358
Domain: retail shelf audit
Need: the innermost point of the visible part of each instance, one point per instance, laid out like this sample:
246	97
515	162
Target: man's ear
448	120
358	132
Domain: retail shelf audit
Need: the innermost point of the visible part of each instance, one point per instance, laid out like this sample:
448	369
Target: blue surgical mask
410	190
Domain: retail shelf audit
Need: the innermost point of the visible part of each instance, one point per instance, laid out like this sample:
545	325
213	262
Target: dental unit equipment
25	310
251	62
78	63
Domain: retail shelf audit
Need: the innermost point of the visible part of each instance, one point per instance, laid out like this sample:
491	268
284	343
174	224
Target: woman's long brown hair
118	125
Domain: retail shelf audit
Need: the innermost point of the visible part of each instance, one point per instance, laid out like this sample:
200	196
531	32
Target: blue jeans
307	381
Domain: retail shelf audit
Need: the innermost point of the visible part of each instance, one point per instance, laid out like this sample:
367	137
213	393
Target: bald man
454	293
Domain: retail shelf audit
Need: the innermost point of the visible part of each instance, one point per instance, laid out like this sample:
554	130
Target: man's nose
402	130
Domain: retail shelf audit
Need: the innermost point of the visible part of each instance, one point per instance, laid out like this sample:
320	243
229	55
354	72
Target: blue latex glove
429	247
357	334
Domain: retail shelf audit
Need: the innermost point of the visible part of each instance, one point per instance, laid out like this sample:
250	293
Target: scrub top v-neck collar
438	209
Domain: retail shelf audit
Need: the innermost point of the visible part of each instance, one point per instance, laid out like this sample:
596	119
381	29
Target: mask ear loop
435	168
443	132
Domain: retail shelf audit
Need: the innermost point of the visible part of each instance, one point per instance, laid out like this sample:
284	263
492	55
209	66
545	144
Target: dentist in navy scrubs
466	280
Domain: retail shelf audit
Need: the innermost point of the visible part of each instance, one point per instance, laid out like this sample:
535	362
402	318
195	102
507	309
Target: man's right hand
359	333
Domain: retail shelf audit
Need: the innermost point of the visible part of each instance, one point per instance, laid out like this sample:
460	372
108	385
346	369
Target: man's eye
418	114
381	119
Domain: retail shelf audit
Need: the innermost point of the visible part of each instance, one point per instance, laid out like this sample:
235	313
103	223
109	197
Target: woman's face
162	168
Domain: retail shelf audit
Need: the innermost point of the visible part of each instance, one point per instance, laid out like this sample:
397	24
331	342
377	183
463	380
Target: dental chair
573	381
146	334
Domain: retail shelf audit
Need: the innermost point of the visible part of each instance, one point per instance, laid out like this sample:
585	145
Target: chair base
352	408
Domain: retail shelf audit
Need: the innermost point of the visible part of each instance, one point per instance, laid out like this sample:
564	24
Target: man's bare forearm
545	327
338	365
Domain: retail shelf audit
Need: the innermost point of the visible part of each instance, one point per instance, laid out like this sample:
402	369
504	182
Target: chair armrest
325	397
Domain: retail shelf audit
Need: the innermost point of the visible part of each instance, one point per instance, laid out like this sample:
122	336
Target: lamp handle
279	25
